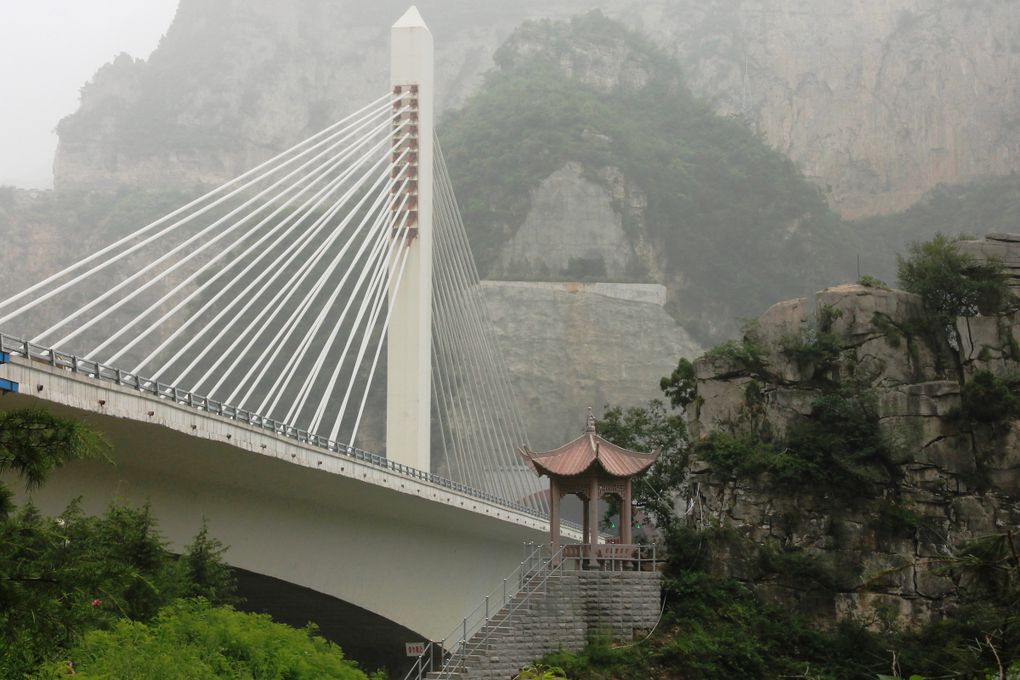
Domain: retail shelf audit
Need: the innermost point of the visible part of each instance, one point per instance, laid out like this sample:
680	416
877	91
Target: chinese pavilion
590	467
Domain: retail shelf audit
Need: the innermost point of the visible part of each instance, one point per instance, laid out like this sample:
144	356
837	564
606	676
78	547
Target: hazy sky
48	50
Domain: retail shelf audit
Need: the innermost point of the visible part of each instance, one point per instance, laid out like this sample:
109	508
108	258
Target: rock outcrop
875	550
877	101
589	344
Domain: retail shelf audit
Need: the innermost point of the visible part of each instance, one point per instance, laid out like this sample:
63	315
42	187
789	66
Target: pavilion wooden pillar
592	538
585	532
554	515
626	523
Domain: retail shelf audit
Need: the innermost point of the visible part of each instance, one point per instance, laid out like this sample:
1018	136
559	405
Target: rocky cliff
878	101
568	346
856	454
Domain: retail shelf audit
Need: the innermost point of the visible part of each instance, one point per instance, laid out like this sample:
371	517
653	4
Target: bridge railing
107	374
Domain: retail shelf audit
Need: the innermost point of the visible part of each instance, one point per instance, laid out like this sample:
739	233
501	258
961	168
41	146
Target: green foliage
747	354
645	429
721	203
716	627
990	203
61	577
988	398
192	640
952	284
539	671
33	443
842	442
838	448
871	282
204	572
681	386
815	349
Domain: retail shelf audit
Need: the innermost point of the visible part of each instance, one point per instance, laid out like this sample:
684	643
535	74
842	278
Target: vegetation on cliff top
736	608
733	216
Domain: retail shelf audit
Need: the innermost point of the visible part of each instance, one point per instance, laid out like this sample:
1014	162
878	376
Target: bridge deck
409	546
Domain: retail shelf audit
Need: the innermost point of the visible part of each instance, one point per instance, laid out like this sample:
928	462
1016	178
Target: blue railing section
97	371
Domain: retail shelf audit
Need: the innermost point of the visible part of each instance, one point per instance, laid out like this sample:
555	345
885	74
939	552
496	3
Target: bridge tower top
409	339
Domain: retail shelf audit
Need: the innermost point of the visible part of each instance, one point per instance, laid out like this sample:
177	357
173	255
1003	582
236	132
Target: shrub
988	398
192	640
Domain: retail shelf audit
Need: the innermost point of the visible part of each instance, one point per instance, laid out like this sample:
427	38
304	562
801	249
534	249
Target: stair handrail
454	643
552	566
530	588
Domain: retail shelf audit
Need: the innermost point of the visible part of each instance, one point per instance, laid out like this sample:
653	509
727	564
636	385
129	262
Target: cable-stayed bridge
302	355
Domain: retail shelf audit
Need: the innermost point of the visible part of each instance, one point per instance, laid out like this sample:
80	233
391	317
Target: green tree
193	640
61	577
647	428
33	443
952	284
681	386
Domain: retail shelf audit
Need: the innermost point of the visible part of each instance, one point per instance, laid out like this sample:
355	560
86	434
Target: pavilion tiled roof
579	455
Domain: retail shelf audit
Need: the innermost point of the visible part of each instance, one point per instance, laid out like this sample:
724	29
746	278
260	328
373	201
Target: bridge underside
410	552
373	641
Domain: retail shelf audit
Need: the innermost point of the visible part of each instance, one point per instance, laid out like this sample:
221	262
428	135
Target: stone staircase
559	609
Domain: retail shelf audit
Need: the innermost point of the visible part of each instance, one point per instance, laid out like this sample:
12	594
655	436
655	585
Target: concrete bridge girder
418	554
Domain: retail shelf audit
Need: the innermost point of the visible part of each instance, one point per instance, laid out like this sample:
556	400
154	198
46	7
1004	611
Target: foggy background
48	50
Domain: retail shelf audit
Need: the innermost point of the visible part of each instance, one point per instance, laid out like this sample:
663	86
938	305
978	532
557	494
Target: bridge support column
409	339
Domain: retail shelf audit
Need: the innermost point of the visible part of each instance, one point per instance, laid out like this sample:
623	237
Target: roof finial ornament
590	423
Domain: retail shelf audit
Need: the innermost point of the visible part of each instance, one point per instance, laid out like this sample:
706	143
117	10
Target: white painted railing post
409	339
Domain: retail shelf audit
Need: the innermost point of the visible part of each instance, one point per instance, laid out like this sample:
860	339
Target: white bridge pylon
271	297
409	341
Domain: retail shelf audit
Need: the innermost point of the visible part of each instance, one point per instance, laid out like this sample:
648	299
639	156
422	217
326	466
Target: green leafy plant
540	671
192	640
988	398
952	284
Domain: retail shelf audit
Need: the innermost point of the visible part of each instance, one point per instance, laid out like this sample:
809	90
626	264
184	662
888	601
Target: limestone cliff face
573	230
568	346
948	479
878	100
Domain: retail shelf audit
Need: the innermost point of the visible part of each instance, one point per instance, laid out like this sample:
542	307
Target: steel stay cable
442	433
494	430
188	242
195	202
378	270
453	343
378	349
381	298
478	308
446	185
442	399
467	272
383	285
441	350
250	302
468	433
476	403
378	274
377	239
107	262
283	296
456	339
295	220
